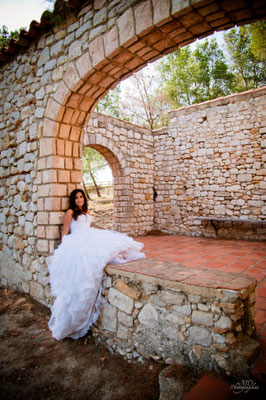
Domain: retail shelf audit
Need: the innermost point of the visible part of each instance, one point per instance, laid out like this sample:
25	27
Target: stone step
208	388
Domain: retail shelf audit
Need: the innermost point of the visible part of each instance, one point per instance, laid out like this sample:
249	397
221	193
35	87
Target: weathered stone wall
128	149
48	91
211	161
207	323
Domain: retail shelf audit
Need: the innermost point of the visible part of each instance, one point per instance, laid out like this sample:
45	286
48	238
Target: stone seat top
177	275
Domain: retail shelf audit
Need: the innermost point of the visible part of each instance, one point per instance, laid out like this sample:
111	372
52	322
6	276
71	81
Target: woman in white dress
77	269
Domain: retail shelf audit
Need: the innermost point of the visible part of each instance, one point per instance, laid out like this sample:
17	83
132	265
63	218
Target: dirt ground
101	208
34	366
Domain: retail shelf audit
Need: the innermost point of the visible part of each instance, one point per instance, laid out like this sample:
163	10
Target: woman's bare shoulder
69	212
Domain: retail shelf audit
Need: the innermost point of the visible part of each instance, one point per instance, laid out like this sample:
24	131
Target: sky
16	14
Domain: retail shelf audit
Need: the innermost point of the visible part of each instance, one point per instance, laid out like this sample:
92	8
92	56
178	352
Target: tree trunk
95	185
85	190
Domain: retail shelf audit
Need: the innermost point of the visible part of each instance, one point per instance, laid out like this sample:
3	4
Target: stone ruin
208	163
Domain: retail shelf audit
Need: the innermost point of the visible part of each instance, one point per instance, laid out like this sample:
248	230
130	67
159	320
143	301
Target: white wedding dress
77	273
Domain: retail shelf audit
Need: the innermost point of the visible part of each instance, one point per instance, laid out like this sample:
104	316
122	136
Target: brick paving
244	257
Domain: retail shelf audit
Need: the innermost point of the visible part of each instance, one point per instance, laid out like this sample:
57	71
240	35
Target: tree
5	36
258	39
92	161
190	77
214	78
110	103
249	69
144	104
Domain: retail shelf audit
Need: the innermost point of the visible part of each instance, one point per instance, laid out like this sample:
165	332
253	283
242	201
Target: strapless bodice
83	221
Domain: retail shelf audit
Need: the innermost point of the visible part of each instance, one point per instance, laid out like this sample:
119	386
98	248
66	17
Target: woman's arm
66	222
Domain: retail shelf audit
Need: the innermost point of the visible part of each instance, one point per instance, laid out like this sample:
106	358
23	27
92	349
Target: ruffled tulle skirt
77	275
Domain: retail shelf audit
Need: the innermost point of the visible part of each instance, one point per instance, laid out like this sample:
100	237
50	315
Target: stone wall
128	149
211	161
49	87
194	317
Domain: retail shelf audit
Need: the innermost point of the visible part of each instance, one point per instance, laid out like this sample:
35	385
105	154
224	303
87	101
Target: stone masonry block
62	93
203	318
110	41
64	131
36	290
223	324
58	190
71	78
52	232
200	335
178	6
148	316
50	128
43	218
127	290
47	147
76	177
60	147
63	176
83	66
55	162
52	204
96	50
121	301
53	110
126	27
161	11
75	134
43	245
108	318
143	18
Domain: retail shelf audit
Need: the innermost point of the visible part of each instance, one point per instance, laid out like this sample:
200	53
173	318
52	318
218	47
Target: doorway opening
97	181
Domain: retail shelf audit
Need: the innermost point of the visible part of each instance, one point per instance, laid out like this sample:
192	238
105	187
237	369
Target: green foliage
248	68
110	103
5	36
92	161
258	40
190	77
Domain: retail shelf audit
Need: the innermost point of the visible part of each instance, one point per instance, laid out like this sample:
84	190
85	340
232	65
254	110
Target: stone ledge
196	281
169	313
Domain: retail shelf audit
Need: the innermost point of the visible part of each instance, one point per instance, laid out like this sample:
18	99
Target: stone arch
144	32
120	169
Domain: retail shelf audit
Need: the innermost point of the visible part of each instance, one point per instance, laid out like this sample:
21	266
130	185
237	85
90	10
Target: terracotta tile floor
244	257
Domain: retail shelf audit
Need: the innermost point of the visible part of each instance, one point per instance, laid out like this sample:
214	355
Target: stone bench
173	314
212	220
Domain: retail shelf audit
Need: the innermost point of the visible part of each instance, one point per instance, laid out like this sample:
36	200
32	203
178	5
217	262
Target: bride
77	269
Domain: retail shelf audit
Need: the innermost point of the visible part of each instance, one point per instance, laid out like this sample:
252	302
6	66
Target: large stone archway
143	32
51	80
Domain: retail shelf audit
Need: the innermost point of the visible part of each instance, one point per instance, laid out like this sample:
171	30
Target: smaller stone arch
120	182
131	162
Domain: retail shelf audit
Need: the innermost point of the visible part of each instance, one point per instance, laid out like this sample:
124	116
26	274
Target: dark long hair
72	204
